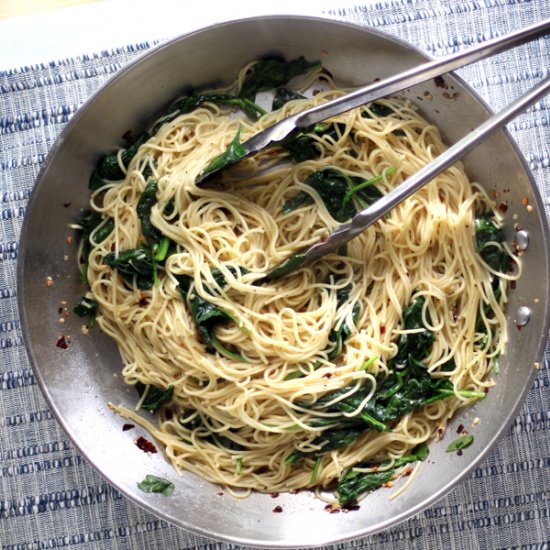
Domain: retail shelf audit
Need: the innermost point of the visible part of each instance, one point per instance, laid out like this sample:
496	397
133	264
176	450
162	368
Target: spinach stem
161	249
368	364
376	424
316	469
156	280
367	183
220	348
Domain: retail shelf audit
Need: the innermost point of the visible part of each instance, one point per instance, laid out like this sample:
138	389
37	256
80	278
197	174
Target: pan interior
80	381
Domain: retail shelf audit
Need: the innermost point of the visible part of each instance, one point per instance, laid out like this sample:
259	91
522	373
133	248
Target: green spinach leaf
378	110
283	96
271	73
108	167
460	443
353	484
145	203
155	484
417	344
336	190
134	264
208	316
155	397
339	336
489	239
233	154
87	307
302	145
329	440
89	221
192	101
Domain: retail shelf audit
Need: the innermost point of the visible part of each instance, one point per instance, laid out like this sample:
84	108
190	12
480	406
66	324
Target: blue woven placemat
51	498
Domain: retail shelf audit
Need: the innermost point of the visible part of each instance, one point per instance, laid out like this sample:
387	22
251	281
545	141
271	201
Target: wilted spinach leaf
460	443
108	167
329	440
270	73
154	484
145	203
87	307
283	96
378	110
494	255
416	344
206	315
336	189
134	264
89	221
353	484
155	397
338	336
233	154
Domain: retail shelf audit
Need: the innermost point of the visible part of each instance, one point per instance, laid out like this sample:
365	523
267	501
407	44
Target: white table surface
91	27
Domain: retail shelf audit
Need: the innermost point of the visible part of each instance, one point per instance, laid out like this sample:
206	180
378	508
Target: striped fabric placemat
50	497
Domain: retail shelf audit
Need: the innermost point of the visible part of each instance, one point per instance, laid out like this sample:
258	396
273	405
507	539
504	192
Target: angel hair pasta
336	376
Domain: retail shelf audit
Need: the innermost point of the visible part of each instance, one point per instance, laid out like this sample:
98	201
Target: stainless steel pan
78	382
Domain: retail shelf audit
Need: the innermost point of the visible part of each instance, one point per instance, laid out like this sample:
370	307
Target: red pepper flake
408	472
277	509
460	429
525	201
62	343
145	445
439	81
502	207
332	508
274	495
382	329
351	508
66	204
455	312
127	137
326	72
447	95
127	427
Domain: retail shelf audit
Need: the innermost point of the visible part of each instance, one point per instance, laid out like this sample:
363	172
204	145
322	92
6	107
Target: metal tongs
363	219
